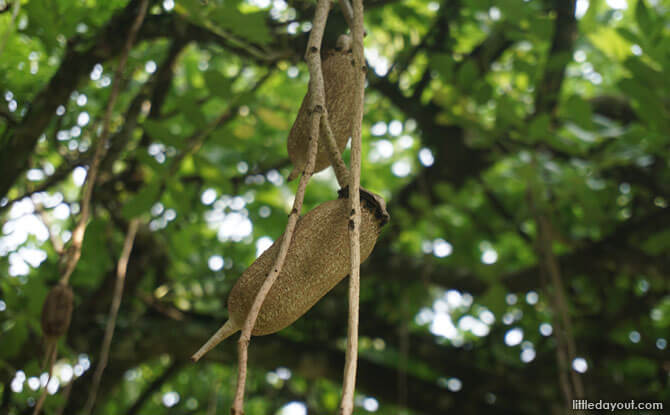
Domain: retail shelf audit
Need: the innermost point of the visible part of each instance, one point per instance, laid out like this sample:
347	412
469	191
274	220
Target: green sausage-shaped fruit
318	258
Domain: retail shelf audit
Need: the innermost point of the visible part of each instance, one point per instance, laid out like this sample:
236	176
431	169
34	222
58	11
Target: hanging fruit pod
57	311
338	79
318	258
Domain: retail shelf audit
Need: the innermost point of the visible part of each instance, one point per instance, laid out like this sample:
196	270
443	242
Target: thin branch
565	346
317	105
351	358
66	397
554	272
177	110
59	175
549	266
163	80
438	39
121	269
489	50
544	250
341	171
561	350
348	12
565	32
74	251
403	349
56	243
213	397
502	210
163	308
51	353
4	113
237	180
7	394
546	100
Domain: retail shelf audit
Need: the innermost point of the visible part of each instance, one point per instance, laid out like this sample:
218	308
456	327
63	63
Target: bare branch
341	171
56	243
348	12
351	358
437	39
4	113
121	268
565	32
61	174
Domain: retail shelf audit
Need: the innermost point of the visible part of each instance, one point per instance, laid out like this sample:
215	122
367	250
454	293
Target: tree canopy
522	147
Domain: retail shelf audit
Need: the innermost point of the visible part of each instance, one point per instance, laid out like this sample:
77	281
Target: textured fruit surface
57	311
318	258
338	78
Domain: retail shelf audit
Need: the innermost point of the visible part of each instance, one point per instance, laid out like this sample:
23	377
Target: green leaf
95	258
160	131
579	110
538	130
192	112
610	43
643	18
13	333
629	36
142	201
505	113
483	93
468	75
248	26
443	64
645	74
218	84
494	299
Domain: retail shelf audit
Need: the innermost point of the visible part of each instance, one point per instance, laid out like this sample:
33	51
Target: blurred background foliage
483	119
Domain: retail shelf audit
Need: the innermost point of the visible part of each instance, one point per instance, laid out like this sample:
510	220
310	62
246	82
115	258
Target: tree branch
121	268
351	356
4	113
340	169
612	251
560	54
438	39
